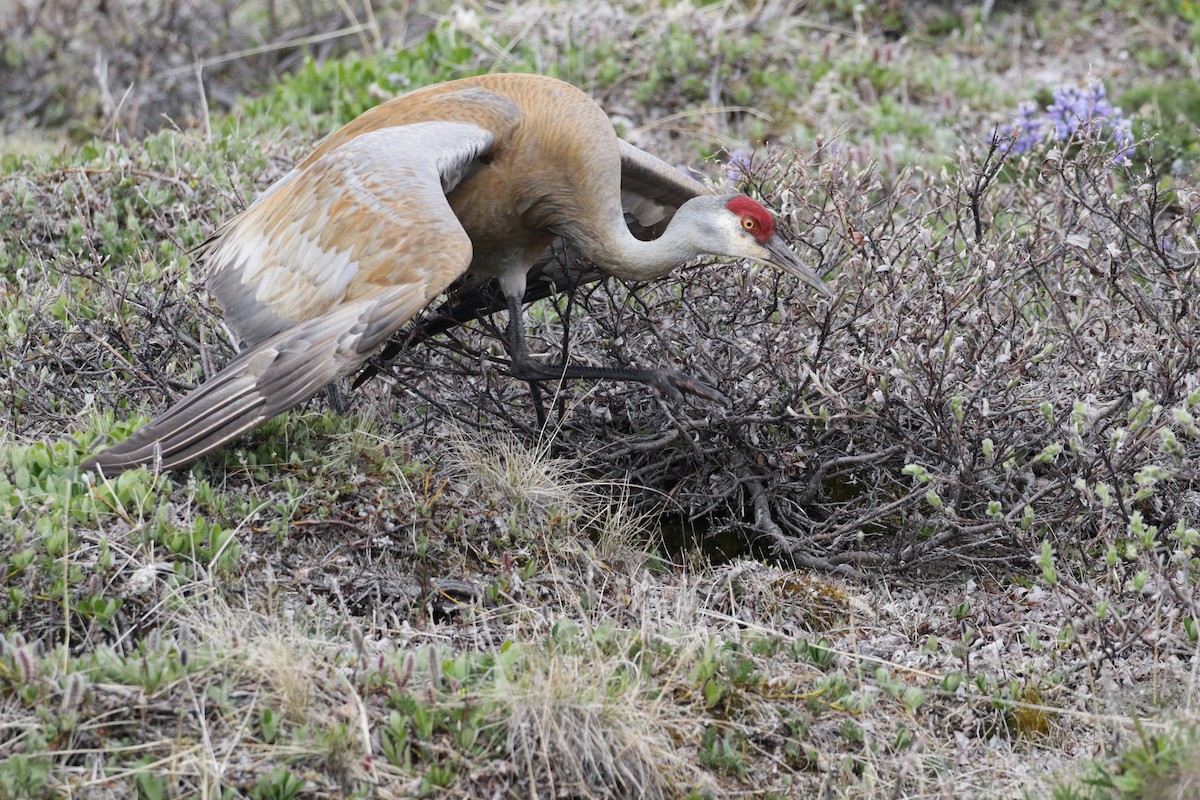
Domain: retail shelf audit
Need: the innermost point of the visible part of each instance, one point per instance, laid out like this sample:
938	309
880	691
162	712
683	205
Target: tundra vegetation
941	543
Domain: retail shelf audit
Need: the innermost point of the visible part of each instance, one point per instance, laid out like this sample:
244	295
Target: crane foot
675	384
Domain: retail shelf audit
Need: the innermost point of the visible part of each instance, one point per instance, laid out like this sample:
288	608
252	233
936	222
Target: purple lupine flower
738	166
1122	140
1066	112
1029	126
1074	111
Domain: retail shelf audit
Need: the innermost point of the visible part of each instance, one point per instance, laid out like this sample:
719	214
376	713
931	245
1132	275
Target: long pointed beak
785	258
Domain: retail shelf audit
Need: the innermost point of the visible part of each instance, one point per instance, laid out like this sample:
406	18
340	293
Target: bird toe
683	383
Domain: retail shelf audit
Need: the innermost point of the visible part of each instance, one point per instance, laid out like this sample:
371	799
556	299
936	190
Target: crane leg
335	399
539	404
669	382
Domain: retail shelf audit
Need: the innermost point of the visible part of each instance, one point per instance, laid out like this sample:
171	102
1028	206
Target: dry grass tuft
570	734
268	654
526	478
541	489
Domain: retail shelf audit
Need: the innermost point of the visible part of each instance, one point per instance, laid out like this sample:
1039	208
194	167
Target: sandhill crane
476	176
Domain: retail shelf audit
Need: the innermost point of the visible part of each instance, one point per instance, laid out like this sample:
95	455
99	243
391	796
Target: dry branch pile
1011	359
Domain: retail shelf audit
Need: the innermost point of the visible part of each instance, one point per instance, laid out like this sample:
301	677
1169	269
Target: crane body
473	177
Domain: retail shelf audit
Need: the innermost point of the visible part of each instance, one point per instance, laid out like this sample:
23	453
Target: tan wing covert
345	225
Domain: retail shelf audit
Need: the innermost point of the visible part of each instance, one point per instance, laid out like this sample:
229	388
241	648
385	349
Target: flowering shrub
1075	113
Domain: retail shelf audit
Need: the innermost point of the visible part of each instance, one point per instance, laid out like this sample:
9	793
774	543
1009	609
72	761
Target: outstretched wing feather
403	246
343	225
652	190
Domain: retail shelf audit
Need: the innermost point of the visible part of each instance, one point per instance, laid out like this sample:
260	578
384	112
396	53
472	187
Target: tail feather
267	380
198	424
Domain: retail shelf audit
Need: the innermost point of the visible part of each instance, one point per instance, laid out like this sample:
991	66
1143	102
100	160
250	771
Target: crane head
748	231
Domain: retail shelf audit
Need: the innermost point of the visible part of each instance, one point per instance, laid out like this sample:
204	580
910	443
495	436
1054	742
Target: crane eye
748	223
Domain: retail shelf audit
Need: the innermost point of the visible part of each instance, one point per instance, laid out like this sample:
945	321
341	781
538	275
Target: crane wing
316	275
651	192
346	224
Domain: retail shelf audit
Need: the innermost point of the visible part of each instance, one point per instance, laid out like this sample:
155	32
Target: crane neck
622	254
